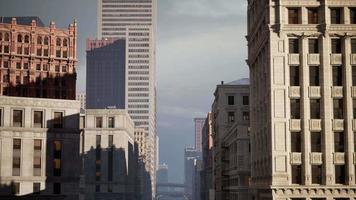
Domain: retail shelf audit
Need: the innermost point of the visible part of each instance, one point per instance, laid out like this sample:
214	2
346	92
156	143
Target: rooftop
22	20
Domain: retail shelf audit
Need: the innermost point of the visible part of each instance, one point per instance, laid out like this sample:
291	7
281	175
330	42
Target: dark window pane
111	122
17	118
317	174
231	116
56	188
245	100
296	174
58	120
293	45
294	75
315	108
296	142
98	122
231	100
36	188
337	75
293	16
353	46
353	15
338	109
295	108
313	16
339	141
314	76
335	14
336	46
38	119
340	174
313	46
315	138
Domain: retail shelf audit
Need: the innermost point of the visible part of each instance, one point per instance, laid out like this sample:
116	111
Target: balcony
295	125
294	92
353	59
314	92
336	59
316	158
315	124
337	92
339	158
293	59
338	124
313	59
296	158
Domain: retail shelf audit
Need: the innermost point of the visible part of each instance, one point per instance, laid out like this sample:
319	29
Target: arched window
39	40
7	37
27	39
46	40
65	42
58	42
19	38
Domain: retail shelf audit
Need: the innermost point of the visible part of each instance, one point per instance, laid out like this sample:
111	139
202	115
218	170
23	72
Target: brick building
37	61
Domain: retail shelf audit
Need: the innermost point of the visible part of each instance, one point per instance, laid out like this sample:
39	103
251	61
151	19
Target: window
27	51
15	188
64	68
338	109
335	15
293	45
16	157
313	45
296	142
111	122
56	188
58	120
36	188
45	52
45	41
354	109
97	188
17	118
58	53
293	16
336	45
294	75
317	174
39	40
58	42
18	65
314	76
315	108
39	52
19	38
353	15
98	158
98	141
231	117
37	149
27	39
38	119
7	37
110	158
340	174
313	16
25	65
98	122
65	42
339	142
245	100
295	108
296	174
337	75
19	50
315	138
230	100
353	46
57	68
246	116
57	157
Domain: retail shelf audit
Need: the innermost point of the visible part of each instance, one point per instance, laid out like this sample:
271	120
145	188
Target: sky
199	44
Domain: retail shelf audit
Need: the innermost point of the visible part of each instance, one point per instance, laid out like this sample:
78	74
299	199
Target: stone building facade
37	61
39	148
302	68
230	122
109	159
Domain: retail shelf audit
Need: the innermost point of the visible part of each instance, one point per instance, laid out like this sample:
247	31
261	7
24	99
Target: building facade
198	126
207	187
109	161
37	61
191	155
40	156
302	69
136	22
230	121
106	74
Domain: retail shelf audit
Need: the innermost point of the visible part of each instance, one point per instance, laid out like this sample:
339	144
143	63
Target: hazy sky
199	44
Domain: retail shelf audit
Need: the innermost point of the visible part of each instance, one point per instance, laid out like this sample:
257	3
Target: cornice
39	102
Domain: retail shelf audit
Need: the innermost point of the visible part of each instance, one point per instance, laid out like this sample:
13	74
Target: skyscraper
135	20
198	128
302	69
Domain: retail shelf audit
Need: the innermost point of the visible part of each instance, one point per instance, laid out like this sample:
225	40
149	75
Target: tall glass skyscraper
135	20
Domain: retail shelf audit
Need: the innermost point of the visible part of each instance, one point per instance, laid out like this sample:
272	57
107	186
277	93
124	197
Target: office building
81	97
206	174
191	155
106	74
302	69
110	166
230	121
198	126
37	61
40	156
136	22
